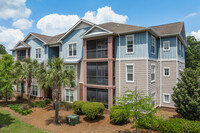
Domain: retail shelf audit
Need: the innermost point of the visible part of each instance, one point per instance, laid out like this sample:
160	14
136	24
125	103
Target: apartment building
110	58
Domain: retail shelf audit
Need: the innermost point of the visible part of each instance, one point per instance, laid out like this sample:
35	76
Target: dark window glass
97	48
97	73
98	95
21	54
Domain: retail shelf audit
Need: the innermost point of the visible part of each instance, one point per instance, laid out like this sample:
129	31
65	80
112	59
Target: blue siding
181	52
172	53
155	56
35	43
139	46
13	54
74	36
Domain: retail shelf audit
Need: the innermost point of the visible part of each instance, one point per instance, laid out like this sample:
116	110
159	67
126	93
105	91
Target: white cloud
10	37
14	9
105	14
23	24
191	15
196	34
55	23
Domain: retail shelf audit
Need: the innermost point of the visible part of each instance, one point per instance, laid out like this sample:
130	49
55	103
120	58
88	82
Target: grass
12	124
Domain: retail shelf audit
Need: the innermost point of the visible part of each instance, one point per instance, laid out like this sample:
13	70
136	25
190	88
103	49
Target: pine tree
186	95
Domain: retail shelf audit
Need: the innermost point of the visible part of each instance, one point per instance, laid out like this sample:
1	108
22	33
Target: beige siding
154	86
168	82
139	77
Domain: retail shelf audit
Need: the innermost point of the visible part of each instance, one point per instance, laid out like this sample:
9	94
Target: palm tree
31	67
19	75
54	76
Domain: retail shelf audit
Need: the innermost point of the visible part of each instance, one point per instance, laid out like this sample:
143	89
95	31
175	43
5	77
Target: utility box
72	119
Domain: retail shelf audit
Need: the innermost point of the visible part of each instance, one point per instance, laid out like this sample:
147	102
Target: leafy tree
186	95
19	73
55	75
2	49
30	67
192	53
140	107
6	77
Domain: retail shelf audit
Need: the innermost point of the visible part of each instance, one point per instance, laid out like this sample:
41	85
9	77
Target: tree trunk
56	110
29	95
22	89
6	96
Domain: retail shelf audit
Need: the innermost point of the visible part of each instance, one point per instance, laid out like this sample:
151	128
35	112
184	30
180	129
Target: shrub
77	107
40	104
119	115
20	109
92	109
173	125
66	106
47	101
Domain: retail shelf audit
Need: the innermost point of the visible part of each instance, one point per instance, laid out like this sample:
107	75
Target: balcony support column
26	53
16	55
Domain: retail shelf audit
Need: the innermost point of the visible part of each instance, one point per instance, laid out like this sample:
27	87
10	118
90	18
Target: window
130	44
72	49
166	98
153	45
34	90
70	67
69	95
19	88
166	45
38	53
153	96
166	72
153	73
130	73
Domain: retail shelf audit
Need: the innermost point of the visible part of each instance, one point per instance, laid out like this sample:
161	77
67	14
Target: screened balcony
97	73
97	48
21	55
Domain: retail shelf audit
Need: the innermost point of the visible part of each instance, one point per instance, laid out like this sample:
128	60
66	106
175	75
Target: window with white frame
153	72
69	95
72	50
166	98
153	96
70	67
34	90
130	44
166	71
129	73
153	45
166	45
38	53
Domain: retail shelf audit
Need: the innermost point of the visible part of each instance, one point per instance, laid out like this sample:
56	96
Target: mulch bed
44	118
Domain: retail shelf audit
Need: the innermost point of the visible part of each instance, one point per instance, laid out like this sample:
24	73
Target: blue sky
52	17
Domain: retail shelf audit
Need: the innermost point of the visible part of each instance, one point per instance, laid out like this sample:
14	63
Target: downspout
147	63
177	71
160	74
119	66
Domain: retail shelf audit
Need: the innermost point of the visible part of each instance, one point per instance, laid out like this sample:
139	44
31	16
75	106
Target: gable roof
117	27
168	29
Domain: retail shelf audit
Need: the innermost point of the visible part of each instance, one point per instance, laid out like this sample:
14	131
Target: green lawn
12	124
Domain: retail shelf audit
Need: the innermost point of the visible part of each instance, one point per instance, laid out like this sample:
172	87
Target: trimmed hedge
92	109
20	109
41	104
77	107
119	115
173	125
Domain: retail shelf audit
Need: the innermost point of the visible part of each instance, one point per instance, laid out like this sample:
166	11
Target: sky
51	17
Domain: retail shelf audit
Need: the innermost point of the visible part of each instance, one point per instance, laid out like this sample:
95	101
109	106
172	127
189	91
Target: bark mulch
44	118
